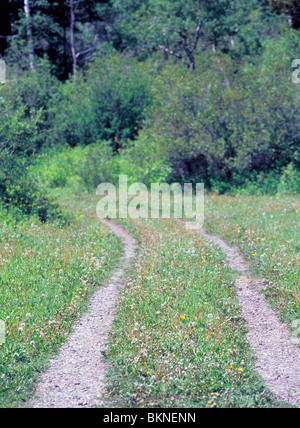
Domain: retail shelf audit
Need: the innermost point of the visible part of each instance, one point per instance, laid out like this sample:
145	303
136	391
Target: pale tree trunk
29	34
72	36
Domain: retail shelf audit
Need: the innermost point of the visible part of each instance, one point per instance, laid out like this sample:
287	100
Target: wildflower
182	317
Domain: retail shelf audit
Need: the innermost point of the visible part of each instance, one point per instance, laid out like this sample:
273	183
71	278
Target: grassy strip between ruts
266	229
47	273
178	339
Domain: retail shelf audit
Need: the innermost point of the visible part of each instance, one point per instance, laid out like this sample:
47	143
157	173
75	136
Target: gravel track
76	378
277	352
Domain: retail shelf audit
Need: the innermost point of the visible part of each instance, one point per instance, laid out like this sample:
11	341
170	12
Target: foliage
80	168
143	161
50	24
289	7
290	180
224	123
107	103
36	90
183	28
18	145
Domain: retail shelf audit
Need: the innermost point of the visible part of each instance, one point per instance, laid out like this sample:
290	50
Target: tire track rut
76	378
277	352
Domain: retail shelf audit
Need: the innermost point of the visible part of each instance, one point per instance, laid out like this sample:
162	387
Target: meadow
178	339
266	229
161	92
48	272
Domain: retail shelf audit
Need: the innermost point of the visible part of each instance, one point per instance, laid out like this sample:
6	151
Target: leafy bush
17	143
18	187
106	103
144	161
36	92
227	124
80	168
290	180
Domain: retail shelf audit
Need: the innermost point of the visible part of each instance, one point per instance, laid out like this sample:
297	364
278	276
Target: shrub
143	161
18	187
36	91
80	168
290	180
17	143
106	103
227	124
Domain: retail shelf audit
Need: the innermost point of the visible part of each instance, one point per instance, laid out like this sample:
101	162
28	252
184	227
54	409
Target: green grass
178	338
266	229
47	273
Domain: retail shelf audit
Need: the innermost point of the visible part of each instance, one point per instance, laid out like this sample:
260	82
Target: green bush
17	143
80	168
227	125
100	165
106	103
36	91
18	186
143	161
28	197
290	180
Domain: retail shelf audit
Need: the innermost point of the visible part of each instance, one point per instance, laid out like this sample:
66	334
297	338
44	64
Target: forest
160	91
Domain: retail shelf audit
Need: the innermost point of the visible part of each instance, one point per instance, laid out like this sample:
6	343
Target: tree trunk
72	30
29	34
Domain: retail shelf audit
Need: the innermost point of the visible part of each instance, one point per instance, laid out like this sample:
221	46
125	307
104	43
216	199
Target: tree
185	28
290	8
73	7
29	34
68	32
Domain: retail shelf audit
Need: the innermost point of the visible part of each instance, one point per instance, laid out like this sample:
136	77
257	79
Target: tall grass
47	273
178	339
267	231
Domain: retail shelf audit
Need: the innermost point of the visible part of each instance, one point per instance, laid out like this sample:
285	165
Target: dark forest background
157	90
